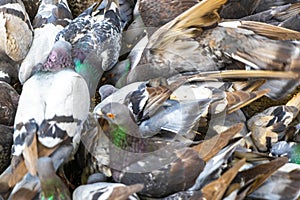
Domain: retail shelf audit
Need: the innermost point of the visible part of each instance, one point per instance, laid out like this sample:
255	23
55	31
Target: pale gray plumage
56	97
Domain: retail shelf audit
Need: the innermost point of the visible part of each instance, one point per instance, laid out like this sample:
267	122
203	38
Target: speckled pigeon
95	36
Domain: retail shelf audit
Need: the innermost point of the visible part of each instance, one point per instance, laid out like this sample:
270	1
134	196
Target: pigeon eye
110	115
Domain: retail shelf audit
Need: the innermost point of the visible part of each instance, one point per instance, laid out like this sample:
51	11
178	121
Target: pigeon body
272	123
289	149
78	6
59	107
154	13
95	36
16	30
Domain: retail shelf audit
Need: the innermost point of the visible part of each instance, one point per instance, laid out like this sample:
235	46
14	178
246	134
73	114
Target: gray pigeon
58	110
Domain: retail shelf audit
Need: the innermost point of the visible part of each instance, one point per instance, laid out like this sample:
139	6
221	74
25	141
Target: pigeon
104	190
6	141
52	186
214	48
126	12
270	125
120	94
95	36
8	103
52	17
156	106
169	169
16	30
56	113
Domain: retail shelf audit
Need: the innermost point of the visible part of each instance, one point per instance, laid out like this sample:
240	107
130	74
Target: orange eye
110	115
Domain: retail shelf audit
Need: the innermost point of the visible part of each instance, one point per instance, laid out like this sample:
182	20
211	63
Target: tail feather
256	51
295	101
239	99
203	14
263	29
218	142
30	154
291	11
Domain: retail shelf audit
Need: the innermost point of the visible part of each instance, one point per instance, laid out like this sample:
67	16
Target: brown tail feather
255	50
295	101
202	14
209	148
267	30
239	99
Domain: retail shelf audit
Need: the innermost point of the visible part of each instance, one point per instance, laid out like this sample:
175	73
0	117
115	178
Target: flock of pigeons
174	77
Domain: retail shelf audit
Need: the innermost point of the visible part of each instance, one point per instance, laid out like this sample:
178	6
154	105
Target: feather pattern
95	36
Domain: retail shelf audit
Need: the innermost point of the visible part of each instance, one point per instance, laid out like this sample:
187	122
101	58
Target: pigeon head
60	57
116	113
120	117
